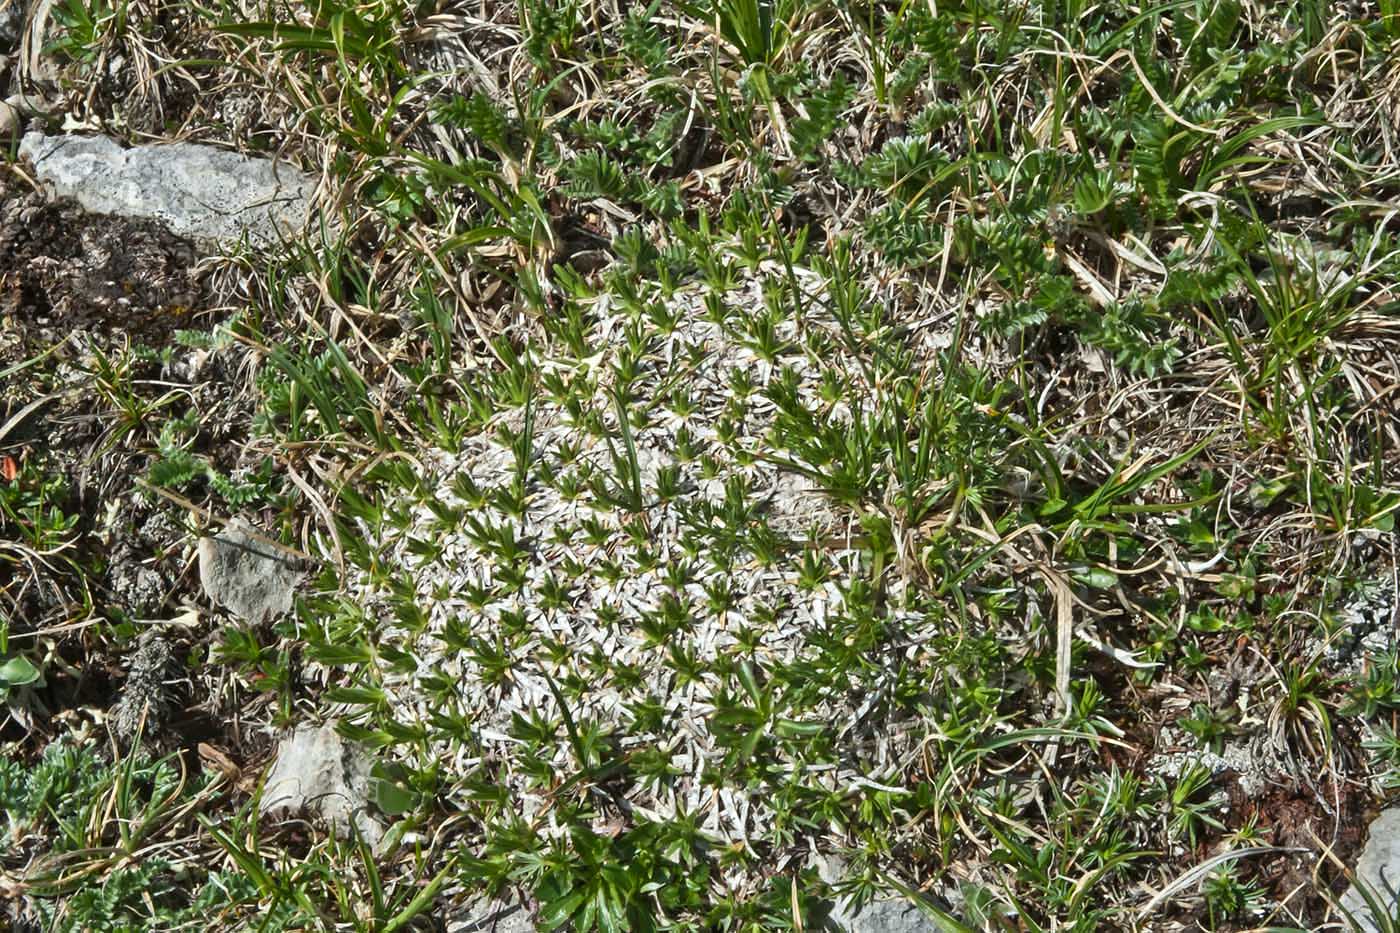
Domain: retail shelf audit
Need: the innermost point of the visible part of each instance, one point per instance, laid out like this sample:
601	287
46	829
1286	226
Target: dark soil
65	272
90	310
1298	817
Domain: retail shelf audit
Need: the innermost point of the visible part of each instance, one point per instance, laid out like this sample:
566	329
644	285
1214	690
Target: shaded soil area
94	368
66	274
1299	817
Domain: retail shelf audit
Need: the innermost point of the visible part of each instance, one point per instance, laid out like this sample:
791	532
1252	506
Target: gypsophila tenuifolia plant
749	451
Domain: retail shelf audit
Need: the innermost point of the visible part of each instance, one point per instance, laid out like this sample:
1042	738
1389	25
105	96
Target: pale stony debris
1378	870
12	15
1366	630
1250	758
239	111
491	916
197	191
246	575
766	597
320	776
892	914
882	915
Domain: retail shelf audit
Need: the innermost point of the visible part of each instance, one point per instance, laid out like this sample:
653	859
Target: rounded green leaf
18	671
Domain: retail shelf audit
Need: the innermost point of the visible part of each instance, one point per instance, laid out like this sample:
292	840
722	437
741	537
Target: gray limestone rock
892	914
197	191
246	575
1378	870
320	776
492	916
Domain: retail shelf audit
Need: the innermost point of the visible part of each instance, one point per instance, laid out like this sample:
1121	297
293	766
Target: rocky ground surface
210	605
88	276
